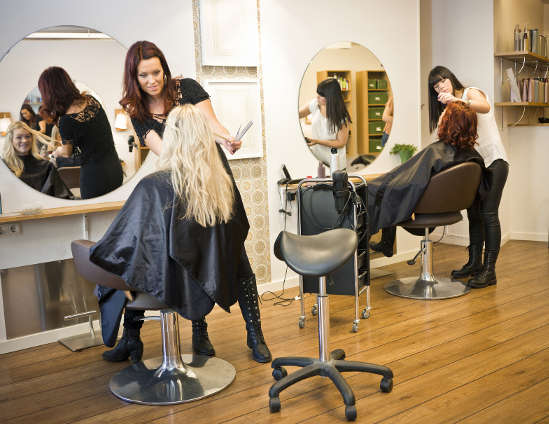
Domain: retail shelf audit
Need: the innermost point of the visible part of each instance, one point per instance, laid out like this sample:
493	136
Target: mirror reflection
345	106
75	150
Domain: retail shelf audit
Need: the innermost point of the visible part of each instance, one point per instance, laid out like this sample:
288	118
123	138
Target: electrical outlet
9	229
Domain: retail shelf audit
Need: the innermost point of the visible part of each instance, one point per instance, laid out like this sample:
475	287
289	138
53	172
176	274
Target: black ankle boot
386	243
247	299
201	341
129	346
487	276
473	265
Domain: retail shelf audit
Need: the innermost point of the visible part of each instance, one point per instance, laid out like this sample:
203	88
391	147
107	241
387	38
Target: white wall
168	23
309	26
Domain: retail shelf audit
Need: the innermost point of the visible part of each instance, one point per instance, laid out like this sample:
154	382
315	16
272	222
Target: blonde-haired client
180	235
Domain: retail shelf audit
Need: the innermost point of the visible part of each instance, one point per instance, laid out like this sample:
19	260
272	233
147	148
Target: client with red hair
393	196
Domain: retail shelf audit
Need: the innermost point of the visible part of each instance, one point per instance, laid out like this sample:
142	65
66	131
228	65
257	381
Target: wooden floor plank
473	358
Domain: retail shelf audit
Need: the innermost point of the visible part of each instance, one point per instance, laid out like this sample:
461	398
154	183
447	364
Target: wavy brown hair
58	91
134	100
458	126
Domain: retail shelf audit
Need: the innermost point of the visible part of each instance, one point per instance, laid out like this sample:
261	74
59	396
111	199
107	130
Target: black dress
187	91
89	132
41	175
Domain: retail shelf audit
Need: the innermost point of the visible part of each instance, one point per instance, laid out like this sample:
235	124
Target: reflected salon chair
171	379
318	256
448	192
70	175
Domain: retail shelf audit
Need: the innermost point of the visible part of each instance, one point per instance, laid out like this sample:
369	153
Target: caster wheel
279	373
301	323
365	314
386	385
350	412
338	354
355	328
314	310
274	404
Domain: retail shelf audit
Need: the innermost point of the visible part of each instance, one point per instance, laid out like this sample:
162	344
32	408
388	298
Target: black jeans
483	216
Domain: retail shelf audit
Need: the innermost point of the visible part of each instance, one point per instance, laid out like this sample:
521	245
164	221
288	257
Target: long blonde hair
10	156
197	172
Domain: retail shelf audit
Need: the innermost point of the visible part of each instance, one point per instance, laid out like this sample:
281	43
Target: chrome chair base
417	288
147	383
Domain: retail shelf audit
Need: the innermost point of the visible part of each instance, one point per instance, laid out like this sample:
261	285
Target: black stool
318	256
173	378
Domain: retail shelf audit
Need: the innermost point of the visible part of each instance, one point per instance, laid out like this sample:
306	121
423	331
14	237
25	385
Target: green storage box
375	127
375	145
382	84
377	98
375	112
372	84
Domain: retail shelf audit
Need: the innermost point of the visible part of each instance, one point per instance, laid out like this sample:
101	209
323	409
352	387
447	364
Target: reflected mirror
345	101
95	63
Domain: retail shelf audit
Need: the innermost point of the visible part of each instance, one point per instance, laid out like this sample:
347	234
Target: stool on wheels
318	256
173	378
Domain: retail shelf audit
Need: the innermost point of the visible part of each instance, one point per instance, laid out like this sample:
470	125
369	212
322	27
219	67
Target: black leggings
483	217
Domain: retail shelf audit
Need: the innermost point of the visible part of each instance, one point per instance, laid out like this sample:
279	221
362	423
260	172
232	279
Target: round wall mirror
345	106
95	63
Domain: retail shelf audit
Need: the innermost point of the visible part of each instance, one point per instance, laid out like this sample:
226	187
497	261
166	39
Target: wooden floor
479	358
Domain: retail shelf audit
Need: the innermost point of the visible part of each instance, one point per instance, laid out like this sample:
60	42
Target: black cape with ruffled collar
184	265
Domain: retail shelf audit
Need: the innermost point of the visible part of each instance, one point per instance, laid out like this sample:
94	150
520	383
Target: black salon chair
171	379
318	256
448	192
70	175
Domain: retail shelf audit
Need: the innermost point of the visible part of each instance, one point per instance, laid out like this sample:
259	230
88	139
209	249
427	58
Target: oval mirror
345	102
76	50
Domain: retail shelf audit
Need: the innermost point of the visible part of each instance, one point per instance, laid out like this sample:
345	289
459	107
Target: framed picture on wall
229	32
235	104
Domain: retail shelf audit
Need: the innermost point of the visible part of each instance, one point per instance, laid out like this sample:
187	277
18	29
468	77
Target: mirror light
5	121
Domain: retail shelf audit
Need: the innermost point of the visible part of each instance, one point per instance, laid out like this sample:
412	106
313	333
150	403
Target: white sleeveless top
321	131
489	143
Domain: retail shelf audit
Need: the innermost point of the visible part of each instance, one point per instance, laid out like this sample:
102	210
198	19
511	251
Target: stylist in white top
330	123
484	226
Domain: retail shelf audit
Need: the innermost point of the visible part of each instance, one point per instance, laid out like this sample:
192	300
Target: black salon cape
393	196
42	176
184	265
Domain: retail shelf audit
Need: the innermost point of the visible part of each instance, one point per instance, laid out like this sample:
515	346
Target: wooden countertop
62	211
367	177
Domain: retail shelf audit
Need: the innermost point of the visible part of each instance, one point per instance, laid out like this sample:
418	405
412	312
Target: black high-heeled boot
487	276
386	243
248	302
201	341
473	265
130	345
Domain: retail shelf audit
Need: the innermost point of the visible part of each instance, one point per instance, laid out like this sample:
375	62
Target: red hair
458	126
133	98
58	91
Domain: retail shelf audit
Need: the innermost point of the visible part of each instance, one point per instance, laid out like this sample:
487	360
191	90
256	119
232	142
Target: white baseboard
462	240
274	286
518	235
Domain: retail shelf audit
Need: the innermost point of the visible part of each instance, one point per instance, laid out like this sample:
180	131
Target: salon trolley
317	213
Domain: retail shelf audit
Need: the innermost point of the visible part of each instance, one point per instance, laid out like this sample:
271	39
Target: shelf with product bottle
531	71
372	92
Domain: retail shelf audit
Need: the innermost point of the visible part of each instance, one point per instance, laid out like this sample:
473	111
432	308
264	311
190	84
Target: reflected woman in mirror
150	93
28	116
21	155
484	225
387	117
82	124
330	122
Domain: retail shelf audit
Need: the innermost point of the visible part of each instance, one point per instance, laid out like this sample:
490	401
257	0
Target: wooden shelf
523	56
523	104
62	211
